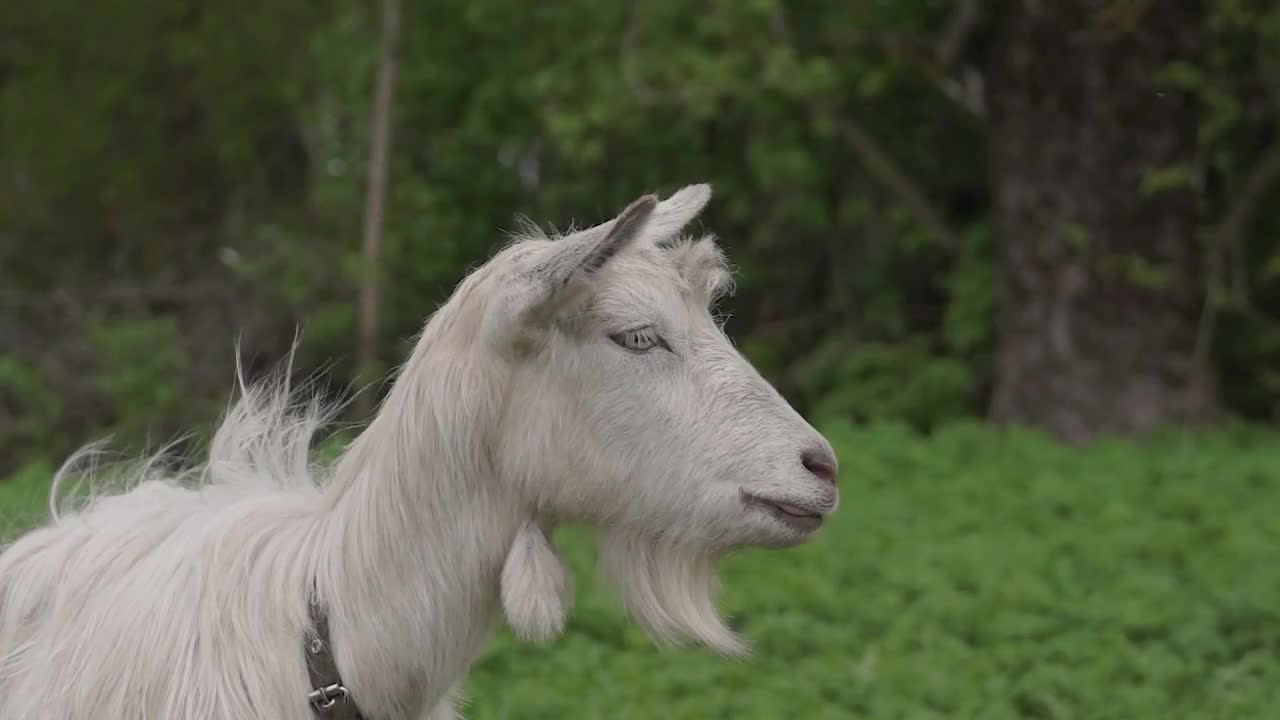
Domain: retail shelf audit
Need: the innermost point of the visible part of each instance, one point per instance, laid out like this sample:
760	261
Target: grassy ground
973	574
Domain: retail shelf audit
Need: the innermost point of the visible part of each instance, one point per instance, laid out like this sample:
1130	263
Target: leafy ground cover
970	574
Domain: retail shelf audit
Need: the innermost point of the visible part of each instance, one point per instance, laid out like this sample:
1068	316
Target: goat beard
669	588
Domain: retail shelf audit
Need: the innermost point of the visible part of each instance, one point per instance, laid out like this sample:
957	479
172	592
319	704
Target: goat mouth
796	517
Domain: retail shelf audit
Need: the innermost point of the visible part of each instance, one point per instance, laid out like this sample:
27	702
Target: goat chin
669	588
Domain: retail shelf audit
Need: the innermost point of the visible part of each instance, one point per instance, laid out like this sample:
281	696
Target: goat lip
794	516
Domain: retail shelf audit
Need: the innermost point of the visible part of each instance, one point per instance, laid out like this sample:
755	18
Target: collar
328	697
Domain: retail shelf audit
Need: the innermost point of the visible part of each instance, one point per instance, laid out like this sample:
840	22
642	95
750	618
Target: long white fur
184	594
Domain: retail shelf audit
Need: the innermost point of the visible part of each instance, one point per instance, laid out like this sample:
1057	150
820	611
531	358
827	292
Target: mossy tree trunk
1098	209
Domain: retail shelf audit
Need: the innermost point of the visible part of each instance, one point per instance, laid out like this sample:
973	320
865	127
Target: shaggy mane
165	525
265	441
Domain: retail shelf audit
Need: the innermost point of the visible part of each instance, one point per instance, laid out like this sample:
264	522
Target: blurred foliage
971	573
142	367
29	407
176	176
24	499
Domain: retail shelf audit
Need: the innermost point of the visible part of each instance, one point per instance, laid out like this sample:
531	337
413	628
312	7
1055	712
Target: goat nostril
820	463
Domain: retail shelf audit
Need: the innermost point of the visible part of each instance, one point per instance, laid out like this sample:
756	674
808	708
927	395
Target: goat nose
820	462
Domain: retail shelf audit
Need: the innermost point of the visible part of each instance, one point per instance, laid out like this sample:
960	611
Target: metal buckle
325	698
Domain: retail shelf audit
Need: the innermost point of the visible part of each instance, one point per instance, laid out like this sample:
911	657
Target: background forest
1022	258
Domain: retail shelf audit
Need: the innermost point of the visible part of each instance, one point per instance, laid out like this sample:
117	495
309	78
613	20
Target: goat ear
537	588
672	214
571	262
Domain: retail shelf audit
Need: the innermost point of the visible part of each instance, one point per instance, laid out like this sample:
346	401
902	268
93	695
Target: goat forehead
648	263
635	281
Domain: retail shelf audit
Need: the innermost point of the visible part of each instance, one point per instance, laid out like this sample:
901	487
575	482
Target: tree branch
887	173
1226	249
1122	16
375	201
967	89
626	54
964	16
877	163
935	63
1228	237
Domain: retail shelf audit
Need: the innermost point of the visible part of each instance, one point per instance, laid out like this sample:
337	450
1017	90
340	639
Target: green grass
973	574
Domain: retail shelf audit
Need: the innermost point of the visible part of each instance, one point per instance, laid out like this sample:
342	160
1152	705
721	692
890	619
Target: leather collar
328	697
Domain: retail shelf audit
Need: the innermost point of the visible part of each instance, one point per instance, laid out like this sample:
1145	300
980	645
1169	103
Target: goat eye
639	340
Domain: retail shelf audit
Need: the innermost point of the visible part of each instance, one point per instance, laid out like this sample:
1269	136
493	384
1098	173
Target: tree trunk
1102	279
375	201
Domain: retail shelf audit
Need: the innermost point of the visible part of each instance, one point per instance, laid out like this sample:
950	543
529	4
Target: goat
573	379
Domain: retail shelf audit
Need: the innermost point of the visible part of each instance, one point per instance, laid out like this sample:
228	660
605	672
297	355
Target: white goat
580	379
